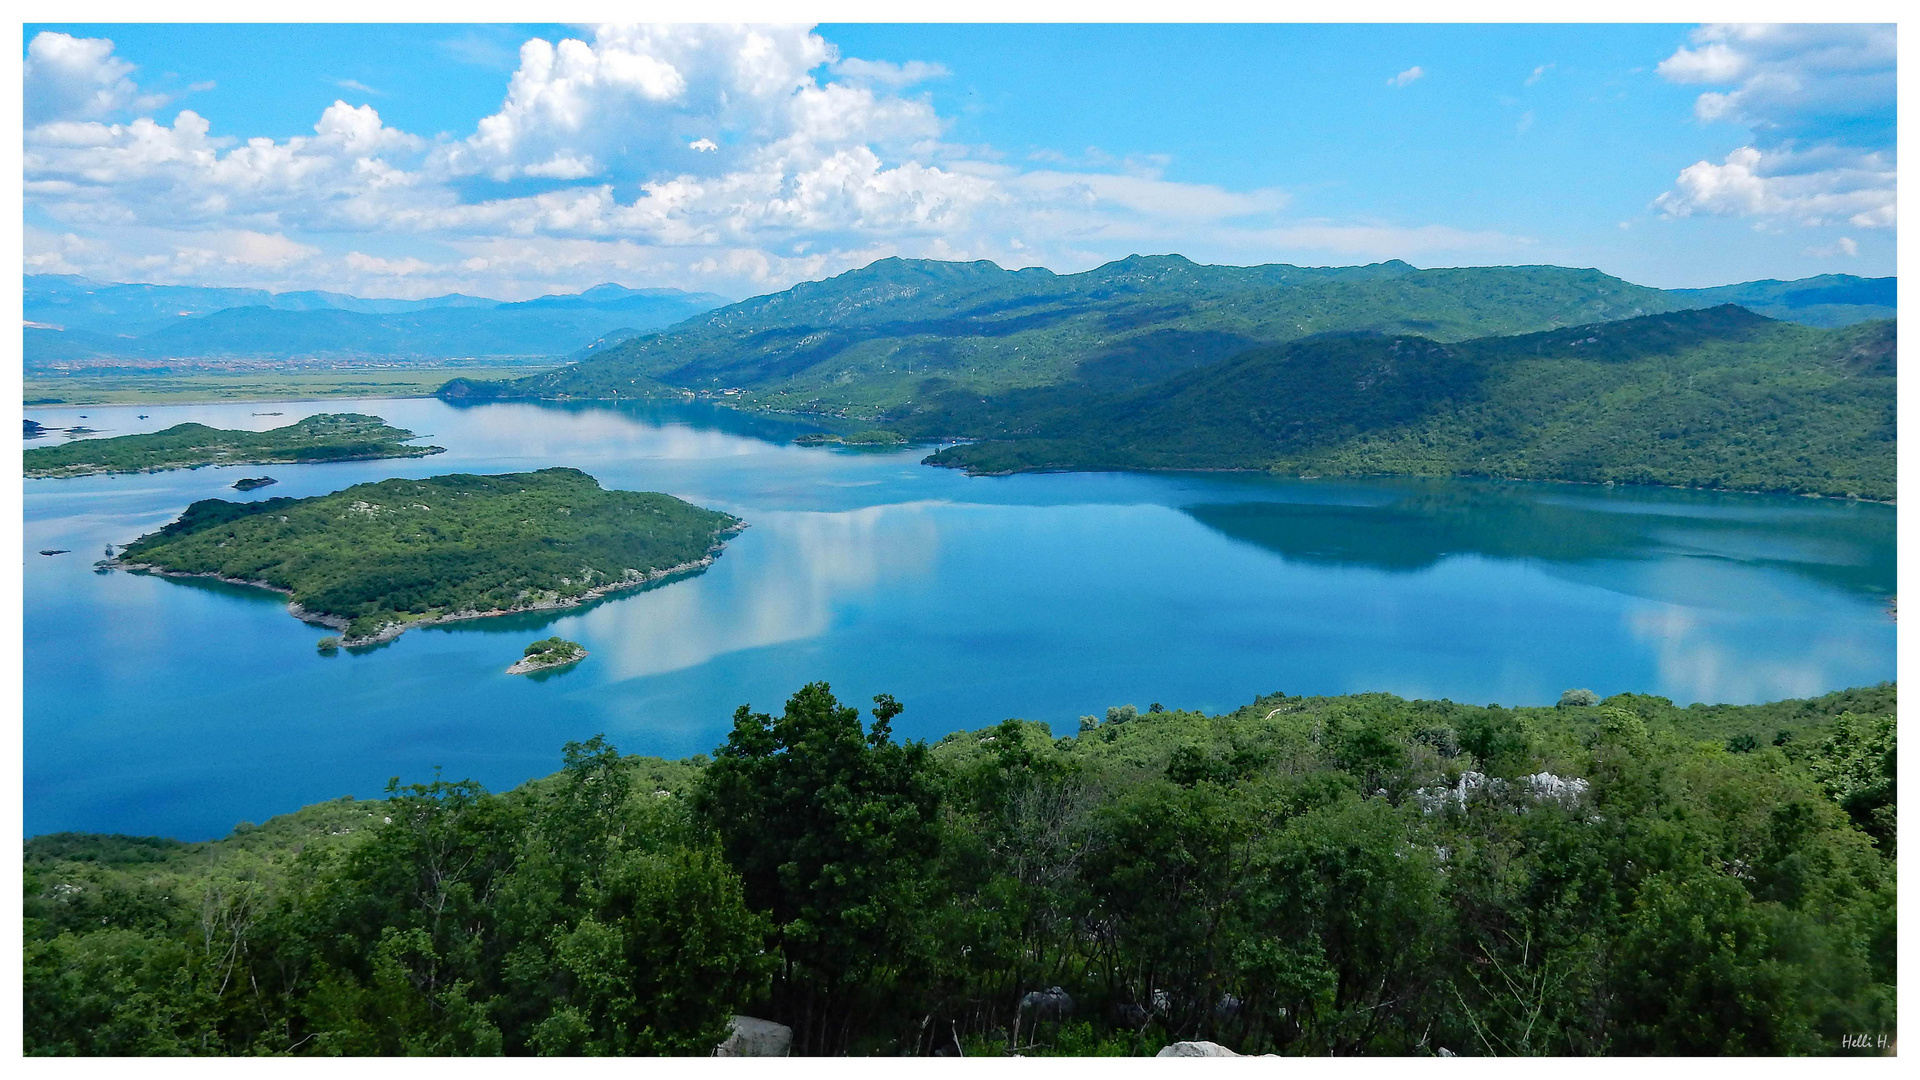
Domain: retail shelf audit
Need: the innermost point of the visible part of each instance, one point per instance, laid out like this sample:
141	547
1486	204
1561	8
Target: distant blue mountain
1829	300
72	318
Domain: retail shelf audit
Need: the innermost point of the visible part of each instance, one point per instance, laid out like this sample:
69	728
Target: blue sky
411	160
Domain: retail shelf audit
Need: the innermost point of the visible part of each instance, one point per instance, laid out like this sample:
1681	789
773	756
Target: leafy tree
832	828
1857	765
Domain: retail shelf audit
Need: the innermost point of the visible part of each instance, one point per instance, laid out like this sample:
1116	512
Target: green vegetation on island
868	437
548	653
374	559
1720	398
322	437
1348	875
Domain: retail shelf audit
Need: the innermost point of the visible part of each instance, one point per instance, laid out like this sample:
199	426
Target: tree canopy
1349	875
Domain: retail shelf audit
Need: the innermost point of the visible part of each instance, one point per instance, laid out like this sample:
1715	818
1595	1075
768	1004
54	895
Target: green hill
901	330
1827	300
1720	398
374	559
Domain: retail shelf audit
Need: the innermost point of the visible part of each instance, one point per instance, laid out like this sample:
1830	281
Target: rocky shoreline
394	630
529	665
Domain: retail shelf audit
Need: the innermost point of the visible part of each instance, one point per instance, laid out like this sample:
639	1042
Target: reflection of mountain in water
707	417
1846	546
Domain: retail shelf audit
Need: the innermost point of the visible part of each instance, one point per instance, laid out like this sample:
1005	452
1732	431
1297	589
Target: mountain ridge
1717	398
77	319
870	339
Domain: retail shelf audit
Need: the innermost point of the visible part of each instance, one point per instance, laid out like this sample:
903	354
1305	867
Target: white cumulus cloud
1406	76
1805	189
1845	247
733	158
889	74
1819	101
1786	75
70	78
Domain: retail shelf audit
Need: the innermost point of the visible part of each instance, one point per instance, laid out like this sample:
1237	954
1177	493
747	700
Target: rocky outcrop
751	1037
1196	1048
1044	1005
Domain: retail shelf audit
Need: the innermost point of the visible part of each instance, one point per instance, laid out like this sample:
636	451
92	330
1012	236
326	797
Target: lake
158	706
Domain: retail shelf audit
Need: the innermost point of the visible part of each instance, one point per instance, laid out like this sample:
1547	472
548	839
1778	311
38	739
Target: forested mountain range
1827	300
893	332
1719	398
899	331
1535	372
75	319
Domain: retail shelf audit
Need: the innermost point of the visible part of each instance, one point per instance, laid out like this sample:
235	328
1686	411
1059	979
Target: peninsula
321	437
374	560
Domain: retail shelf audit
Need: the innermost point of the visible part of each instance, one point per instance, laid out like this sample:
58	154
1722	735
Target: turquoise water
158	706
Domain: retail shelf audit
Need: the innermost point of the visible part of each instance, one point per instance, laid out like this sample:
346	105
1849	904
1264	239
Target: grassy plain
182	389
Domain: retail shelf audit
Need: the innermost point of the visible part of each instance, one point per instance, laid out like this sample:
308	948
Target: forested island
866	437
548	653
322	437
374	559
1305	875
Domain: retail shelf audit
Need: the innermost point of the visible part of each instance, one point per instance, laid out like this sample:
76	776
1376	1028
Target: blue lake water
157	706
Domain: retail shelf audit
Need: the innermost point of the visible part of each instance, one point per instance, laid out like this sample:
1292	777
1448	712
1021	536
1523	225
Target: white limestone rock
752	1037
1197	1048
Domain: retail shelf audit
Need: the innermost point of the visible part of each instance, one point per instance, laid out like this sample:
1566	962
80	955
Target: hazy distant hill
72	318
1828	300
899	330
1718	398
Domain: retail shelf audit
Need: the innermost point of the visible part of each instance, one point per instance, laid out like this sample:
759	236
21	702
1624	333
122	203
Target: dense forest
1532	372
374	558
321	437
1719	398
885	336
1348	875
888	337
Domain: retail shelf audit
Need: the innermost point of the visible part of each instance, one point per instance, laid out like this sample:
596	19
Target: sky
512	161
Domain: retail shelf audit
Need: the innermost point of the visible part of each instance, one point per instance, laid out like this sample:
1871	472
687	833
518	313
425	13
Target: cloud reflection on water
1697	663
803	566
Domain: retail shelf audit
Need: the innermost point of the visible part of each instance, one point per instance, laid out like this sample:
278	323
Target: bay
157	706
